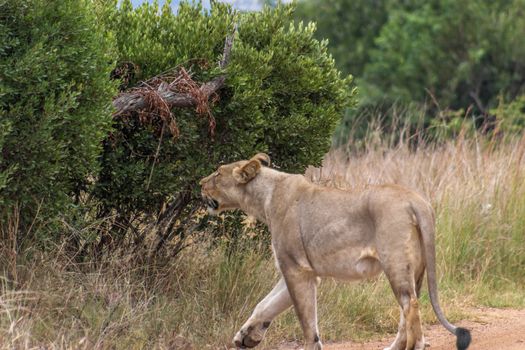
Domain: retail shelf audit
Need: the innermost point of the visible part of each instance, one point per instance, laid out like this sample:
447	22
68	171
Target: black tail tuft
463	338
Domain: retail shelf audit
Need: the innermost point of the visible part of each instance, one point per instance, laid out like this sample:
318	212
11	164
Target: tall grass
201	298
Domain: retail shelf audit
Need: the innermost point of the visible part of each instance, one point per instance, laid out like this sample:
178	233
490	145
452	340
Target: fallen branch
137	99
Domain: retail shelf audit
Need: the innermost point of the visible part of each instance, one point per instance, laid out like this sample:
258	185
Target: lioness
318	231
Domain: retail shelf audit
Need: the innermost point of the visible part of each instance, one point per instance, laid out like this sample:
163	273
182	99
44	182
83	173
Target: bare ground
492	329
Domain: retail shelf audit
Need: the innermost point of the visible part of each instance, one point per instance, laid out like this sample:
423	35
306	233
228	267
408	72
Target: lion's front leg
303	289
253	331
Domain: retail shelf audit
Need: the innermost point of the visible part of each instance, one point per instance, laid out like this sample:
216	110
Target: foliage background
55	108
427	56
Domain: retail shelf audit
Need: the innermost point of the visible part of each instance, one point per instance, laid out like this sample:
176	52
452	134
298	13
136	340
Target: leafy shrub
55	103
282	96
510	115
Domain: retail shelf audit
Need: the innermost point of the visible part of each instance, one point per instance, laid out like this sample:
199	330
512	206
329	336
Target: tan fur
318	231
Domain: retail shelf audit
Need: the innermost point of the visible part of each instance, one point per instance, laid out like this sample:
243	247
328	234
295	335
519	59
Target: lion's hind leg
401	256
401	337
410	332
403	269
415	338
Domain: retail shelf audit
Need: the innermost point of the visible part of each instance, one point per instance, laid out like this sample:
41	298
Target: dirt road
492	329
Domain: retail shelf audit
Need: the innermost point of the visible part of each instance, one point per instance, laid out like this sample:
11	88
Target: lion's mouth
211	203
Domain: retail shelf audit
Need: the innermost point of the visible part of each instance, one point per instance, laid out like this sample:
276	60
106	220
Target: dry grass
199	300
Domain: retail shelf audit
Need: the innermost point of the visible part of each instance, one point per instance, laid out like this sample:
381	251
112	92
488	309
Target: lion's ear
245	173
263	158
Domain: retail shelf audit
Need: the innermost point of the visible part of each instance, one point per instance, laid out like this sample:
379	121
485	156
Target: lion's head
224	188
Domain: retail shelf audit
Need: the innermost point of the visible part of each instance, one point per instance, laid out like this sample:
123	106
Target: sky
245	5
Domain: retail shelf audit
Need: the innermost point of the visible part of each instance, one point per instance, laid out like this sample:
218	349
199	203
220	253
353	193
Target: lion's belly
342	249
348	264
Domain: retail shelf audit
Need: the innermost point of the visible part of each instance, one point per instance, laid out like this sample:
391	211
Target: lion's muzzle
210	202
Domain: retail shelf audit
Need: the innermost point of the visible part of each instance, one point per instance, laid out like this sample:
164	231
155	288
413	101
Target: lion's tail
426	222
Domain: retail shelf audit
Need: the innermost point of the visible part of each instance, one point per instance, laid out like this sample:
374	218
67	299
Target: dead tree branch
136	101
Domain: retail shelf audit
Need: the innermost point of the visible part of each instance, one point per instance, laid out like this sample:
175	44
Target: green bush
510	115
55	106
282	96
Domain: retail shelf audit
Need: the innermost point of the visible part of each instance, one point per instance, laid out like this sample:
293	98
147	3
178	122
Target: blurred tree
458	53
442	54
350	26
270	3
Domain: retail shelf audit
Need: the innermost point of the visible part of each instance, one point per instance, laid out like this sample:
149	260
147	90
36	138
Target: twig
478	102
156	155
